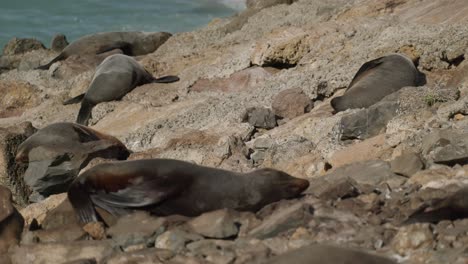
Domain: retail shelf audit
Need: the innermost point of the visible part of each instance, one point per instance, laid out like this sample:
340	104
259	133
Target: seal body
132	43
166	187
377	79
116	76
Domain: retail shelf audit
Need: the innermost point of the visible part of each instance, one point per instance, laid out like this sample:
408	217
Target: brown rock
407	164
150	255
96	230
18	46
66	233
413	237
11	222
290	103
38	211
62	215
17	97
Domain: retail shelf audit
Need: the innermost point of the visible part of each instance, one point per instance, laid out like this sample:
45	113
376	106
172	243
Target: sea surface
42	19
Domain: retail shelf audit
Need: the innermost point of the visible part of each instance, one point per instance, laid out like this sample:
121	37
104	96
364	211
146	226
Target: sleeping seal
132	43
116	76
377	79
167	187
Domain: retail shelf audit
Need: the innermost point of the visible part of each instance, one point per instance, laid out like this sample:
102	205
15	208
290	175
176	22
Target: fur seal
450	208
172	187
132	43
328	254
377	79
116	76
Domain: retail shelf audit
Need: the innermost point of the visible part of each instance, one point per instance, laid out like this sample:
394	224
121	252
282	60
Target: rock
82	261
58	43
446	146
328	254
18	46
259	4
145	256
95	230
260	117
359	177
216	224
10	171
290	103
66	233
17	97
11	222
62	215
136	228
407	164
241	81
61	252
283	220
175	239
38	211
413	237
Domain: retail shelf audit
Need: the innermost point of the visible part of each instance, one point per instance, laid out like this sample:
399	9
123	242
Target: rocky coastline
255	92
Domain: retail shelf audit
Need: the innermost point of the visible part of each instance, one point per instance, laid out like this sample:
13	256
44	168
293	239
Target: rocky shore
255	92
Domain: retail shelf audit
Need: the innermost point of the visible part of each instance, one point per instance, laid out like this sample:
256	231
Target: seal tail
166	79
74	100
47	66
85	113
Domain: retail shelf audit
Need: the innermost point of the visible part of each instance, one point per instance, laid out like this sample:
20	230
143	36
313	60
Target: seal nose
21	158
302	184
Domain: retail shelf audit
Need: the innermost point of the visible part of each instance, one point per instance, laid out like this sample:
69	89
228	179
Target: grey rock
62	215
214	251
82	261
147	256
216	224
260	117
446	146
11	222
407	164
175	239
258	4
136	228
18	46
290	103
58	43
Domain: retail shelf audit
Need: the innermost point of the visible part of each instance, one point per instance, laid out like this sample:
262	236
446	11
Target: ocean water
42	19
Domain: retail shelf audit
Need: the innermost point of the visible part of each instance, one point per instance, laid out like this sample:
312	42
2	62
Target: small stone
59	42
458	117
260	117
413	237
216	224
291	103
96	230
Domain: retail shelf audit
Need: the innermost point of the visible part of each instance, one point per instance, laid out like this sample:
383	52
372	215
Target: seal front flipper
122	45
364	68
166	79
85	113
47	66
74	100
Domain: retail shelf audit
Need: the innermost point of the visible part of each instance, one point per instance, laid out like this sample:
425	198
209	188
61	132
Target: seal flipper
85	113
126	48
74	100
364	68
166	79
81	202
60	57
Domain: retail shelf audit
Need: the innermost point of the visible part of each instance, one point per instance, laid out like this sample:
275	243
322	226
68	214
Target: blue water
42	19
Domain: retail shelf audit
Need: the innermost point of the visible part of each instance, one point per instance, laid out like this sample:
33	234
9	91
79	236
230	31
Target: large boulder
11	222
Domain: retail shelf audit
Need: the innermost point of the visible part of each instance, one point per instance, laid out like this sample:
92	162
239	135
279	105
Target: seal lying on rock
327	254
131	43
114	78
166	187
55	154
377	79
451	208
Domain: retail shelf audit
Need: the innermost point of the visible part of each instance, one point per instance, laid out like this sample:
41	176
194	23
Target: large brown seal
377	79
166	187
116	76
131	43
328	254
56	153
452	207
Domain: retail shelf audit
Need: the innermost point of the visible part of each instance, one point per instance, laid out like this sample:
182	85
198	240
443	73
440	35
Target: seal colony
377	79
116	76
131	43
165	187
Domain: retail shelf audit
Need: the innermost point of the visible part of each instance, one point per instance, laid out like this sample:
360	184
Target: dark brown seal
377	79
453	207
131	43
328	254
116	76
172	187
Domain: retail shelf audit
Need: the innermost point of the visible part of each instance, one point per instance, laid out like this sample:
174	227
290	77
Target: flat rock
407	164
216	224
11	222
61	252
260	117
446	146
290	103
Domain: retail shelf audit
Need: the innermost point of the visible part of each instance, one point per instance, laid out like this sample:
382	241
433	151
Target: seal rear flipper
74	100
85	113
47	66
364	68
126	48
433	216
82	204
166	79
